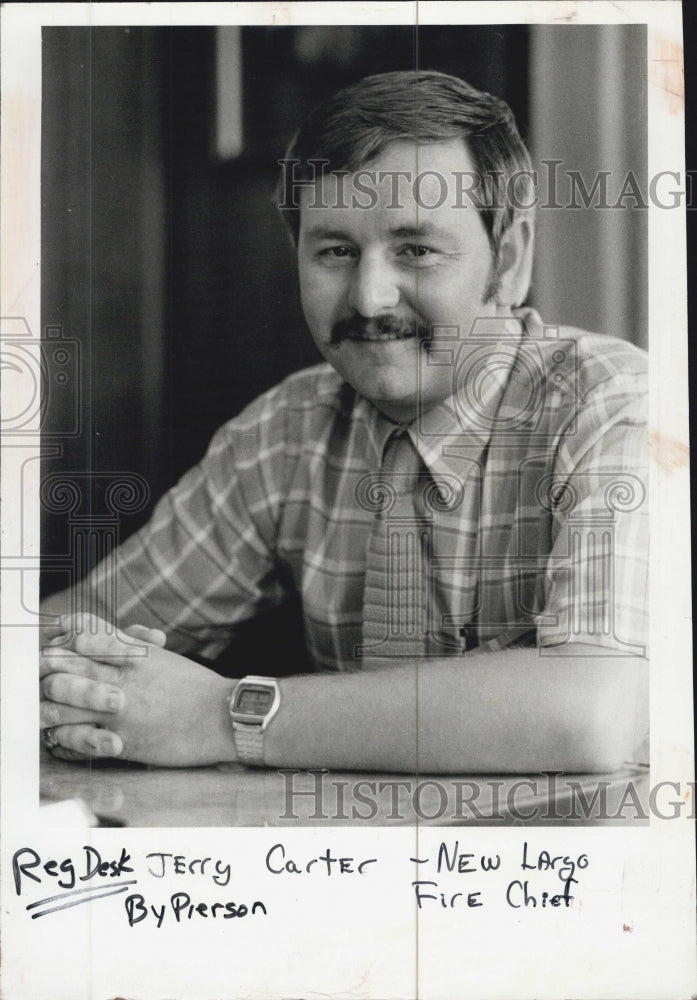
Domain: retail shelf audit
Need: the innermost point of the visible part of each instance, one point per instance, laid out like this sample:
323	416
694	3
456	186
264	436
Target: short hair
354	125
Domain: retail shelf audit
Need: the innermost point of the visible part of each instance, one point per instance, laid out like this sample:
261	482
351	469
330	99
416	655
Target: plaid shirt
536	528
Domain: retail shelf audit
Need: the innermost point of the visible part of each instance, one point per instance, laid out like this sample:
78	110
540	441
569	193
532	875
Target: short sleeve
206	561
596	578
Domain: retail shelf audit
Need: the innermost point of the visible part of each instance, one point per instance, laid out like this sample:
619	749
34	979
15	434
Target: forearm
511	711
508	712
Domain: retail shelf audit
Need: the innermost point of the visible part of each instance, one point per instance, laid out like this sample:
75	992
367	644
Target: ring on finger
48	738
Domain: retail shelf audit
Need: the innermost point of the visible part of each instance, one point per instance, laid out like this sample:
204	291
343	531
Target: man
439	495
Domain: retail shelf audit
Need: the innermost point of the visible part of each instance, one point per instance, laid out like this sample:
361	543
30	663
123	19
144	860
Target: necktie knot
401	463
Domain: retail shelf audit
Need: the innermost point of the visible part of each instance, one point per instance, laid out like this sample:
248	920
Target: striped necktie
395	607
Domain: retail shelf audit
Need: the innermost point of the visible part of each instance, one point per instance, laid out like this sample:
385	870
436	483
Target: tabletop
227	795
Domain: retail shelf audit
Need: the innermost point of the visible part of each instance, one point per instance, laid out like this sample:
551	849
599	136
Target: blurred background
163	258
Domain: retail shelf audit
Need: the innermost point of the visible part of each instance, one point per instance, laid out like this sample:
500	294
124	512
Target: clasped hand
112	693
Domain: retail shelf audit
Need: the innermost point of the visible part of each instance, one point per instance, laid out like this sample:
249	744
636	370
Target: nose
373	289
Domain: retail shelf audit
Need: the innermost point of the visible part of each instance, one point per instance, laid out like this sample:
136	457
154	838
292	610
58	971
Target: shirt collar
451	437
378	429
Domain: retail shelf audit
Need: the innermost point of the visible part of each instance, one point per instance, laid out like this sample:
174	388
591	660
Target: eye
417	254
337	253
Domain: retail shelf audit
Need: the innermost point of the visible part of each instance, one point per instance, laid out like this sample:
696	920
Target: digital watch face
254	700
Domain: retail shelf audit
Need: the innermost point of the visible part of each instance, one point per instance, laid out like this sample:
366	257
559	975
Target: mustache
388	325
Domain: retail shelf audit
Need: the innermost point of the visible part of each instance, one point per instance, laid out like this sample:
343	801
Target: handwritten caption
520	892
450	878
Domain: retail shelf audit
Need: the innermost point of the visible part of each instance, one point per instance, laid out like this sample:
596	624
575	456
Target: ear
515	263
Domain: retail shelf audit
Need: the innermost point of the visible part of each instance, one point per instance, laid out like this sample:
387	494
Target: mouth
380	329
377	338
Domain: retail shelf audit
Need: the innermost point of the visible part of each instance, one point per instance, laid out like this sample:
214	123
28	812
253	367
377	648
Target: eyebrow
427	229
414	232
322	233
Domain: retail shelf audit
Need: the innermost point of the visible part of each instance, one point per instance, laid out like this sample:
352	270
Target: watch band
249	743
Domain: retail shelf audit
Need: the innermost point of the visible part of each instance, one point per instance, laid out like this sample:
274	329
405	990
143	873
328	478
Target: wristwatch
253	704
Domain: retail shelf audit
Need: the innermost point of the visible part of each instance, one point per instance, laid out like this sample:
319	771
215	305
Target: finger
96	637
69	755
87	741
64	661
155	636
51	714
79	621
51	631
81	692
73	621
102	641
58	635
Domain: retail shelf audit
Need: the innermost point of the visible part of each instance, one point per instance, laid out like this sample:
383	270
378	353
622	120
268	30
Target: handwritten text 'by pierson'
91	877
102	878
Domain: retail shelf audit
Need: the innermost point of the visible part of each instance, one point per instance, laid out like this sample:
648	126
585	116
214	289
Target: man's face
375	280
